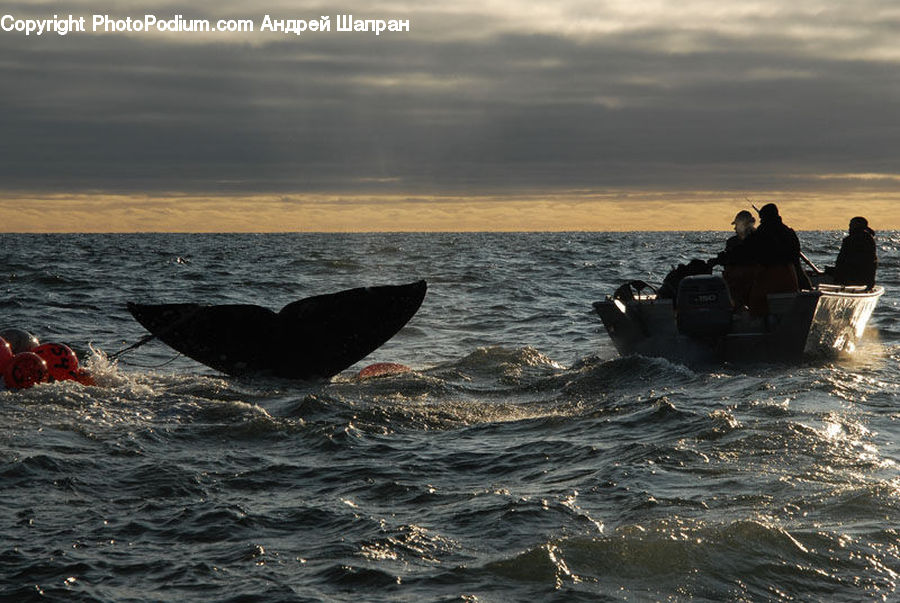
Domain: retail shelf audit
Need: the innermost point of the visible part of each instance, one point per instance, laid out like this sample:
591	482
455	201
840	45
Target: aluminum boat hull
825	321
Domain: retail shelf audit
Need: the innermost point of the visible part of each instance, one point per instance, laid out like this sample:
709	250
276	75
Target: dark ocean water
520	461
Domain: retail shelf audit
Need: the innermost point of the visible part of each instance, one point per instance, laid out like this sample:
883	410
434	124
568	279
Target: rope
134	346
154	366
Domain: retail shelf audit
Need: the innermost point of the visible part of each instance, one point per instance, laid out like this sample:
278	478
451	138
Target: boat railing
850	290
635	290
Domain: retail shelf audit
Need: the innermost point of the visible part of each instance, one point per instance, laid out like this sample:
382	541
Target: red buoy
60	359
383	369
24	370
82	376
6	354
19	340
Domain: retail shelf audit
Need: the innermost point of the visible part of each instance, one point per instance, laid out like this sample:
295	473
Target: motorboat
700	323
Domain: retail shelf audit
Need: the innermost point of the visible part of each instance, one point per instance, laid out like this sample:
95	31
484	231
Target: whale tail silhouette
309	339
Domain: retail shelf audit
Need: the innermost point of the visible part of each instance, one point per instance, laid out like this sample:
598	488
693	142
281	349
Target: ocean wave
748	559
492	470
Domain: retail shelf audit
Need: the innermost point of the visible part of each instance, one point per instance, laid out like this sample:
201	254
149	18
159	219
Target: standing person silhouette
776	248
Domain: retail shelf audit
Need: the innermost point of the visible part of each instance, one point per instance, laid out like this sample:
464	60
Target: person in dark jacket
735	250
857	260
776	248
740	266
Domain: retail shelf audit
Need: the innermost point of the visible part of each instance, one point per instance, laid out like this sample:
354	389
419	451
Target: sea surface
520	460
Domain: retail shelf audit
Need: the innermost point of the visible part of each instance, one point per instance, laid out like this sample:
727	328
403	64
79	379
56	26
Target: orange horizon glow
308	212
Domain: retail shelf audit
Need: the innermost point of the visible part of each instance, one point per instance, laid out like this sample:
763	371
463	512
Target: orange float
19	340
82	376
382	369
61	360
25	370
6	354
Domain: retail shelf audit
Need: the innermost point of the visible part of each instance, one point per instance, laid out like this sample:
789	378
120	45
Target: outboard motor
669	288
703	306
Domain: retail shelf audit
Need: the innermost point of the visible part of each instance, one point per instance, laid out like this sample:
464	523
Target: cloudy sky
486	114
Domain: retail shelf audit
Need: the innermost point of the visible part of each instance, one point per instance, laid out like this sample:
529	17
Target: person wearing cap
739	265
743	227
776	248
857	260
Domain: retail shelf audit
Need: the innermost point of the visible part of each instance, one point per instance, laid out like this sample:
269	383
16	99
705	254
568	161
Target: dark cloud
653	108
